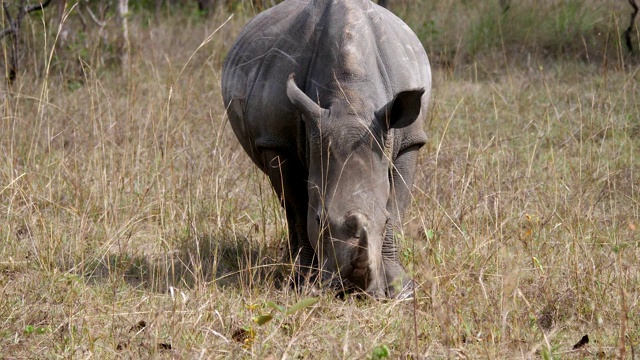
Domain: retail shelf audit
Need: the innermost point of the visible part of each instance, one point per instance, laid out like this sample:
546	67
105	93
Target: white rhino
328	98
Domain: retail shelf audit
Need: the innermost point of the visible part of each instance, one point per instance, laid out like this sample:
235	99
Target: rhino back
349	48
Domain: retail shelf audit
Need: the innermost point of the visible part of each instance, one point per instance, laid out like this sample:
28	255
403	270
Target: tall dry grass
133	225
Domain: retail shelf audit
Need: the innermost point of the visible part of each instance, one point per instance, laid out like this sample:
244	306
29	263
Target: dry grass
133	225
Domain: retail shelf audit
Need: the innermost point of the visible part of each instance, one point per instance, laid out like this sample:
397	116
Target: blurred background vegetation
63	35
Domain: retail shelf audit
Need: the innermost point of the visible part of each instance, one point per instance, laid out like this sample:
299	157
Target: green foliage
262	319
550	353
459	32
247	334
38	330
136	6
282	312
380	352
428	31
29	329
429	233
302	304
276	307
407	255
553	27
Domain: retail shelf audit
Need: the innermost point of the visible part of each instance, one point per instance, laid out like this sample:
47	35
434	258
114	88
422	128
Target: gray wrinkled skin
328	98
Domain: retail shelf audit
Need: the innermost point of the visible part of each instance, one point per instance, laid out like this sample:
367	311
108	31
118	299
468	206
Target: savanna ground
133	225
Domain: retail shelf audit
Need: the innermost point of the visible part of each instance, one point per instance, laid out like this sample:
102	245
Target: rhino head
349	188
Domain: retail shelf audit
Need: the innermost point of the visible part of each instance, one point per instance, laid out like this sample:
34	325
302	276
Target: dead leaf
584	341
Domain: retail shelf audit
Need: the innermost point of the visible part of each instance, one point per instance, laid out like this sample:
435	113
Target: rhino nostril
318	219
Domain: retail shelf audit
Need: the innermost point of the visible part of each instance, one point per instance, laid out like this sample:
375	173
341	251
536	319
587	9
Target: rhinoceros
328	98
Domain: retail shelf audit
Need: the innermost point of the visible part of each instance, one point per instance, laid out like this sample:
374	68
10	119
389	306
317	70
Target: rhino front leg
288	178
402	177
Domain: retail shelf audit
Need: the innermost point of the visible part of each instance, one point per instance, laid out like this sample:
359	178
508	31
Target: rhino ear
403	110
302	102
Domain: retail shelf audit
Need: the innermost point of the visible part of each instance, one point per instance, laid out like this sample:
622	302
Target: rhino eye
318	219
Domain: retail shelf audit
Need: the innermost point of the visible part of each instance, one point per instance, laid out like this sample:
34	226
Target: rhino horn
363	245
367	265
356	223
360	258
302	102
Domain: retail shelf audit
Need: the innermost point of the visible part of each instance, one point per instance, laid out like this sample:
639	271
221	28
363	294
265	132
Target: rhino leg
402	177
288	179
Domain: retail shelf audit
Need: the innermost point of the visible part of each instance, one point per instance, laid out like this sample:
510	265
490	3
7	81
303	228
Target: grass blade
301	305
